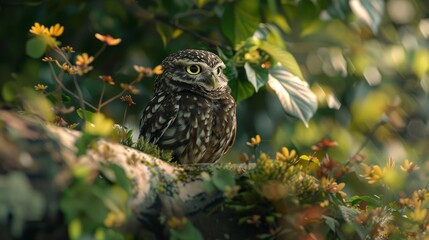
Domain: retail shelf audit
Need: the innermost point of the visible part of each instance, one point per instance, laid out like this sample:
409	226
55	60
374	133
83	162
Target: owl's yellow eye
193	69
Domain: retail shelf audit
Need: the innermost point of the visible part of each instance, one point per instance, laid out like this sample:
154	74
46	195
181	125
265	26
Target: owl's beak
213	81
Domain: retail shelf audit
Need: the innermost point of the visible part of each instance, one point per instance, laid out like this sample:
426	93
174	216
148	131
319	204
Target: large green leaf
36	47
257	76
368	11
240	20
240	89
282	56
295	95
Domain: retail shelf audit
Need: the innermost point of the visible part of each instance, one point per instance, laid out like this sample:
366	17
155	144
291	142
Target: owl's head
194	69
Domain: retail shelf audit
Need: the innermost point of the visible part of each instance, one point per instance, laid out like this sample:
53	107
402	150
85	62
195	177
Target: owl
192	112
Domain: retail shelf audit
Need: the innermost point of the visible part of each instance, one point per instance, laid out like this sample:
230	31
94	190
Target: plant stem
101	97
61	85
380	123
100	51
125	114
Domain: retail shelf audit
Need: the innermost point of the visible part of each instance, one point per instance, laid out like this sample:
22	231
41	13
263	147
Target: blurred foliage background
367	62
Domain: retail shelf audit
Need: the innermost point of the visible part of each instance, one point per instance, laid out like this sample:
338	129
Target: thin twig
58	81
125	115
101	97
100	51
380	123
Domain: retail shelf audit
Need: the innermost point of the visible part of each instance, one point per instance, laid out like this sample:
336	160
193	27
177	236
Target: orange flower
254	141
129	88
409	166
128	100
157	70
108	79
109	40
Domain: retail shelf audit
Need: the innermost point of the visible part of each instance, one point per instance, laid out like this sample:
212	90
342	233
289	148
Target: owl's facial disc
199	73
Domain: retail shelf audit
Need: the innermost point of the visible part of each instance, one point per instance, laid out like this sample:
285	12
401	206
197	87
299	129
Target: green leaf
35	47
10	91
222	178
294	95
240	89
257	76
209	187
164	32
89	115
269	33
188	232
339	9
370	200
240	20
283	57
369	11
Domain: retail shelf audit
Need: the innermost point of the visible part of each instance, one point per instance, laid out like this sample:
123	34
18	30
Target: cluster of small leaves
102	205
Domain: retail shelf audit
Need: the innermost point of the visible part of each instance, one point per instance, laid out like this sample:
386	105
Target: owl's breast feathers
197	129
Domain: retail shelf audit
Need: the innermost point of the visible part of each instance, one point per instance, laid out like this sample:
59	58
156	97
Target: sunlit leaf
35	47
282	56
88	115
257	76
240	20
269	33
370	200
368	11
294	95
37	104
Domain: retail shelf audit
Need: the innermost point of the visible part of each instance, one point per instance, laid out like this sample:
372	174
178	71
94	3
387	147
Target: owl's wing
157	117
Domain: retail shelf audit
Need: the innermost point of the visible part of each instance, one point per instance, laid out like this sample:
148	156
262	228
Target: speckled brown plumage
192	112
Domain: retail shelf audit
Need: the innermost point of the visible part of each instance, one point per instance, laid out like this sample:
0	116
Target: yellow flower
68	69
390	163
409	166
373	173
39	30
329	185
177	223
419	214
84	59
285	154
114	219
100	126
231	192
109	40
157	70
40	87
252	56
68	49
143	71
254	141
324	203
56	30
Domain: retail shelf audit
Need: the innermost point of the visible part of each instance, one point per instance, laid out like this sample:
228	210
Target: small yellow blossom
252	56
177	223
40	87
231	192
82	63
108	79
254	141
68	69
48	59
143	71
130	88
114	219
56	30
419	214
84	59
157	70
39	30
68	49
109	40
409	166
100	126
373	173
324	203
128	100
390	163
285	154
329	185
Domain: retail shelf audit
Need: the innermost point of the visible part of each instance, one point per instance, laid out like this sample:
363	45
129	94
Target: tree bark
32	146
